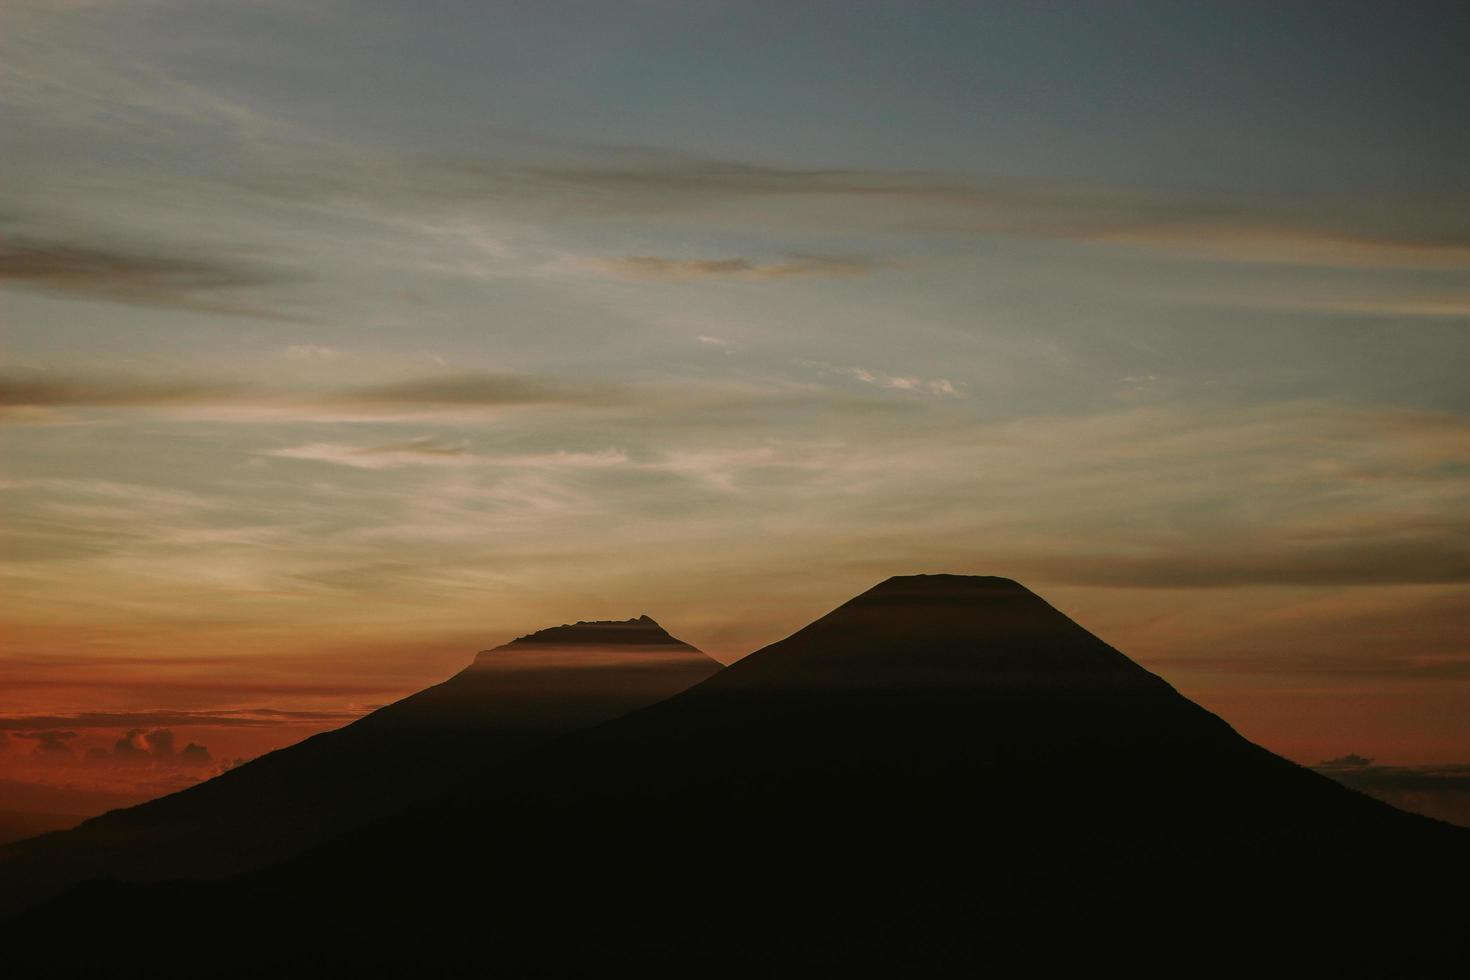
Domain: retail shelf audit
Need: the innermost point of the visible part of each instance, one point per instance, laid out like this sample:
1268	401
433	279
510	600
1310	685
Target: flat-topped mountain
640	632
508	700
943	776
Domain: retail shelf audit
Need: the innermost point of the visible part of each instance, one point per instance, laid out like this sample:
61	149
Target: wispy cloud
795	267
311	352
413	452
57	391
1422	559
1289	244
483	389
139	277
47	397
1428	305
938	387
26	396
1196	226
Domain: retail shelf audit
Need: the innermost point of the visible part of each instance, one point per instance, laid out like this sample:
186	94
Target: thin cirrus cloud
938	387
43	398
485	389
57	391
23	395
1425	306
1425	559
1290	245
430	452
1382	669
682	270
419	452
139	277
1193	226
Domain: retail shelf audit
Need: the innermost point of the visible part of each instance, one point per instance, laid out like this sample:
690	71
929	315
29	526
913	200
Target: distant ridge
508	700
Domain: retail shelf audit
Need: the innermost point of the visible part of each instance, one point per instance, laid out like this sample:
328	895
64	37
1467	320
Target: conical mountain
953	633
508	700
944	776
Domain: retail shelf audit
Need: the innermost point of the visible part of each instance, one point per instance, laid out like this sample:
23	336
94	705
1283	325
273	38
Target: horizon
344	340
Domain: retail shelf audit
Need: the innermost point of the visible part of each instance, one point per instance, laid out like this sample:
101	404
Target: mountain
944	776
20	824
508	700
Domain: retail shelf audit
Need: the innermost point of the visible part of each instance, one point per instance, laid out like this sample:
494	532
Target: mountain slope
943	776
508	700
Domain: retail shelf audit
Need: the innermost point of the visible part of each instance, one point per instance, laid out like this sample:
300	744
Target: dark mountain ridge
943	776
508	700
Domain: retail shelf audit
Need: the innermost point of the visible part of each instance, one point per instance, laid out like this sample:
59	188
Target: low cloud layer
1442	792
50	743
150	748
244	718
137	747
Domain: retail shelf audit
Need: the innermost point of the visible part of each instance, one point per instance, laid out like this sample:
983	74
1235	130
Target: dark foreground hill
944	776
509	700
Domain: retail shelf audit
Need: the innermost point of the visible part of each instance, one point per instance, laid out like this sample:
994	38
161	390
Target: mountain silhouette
509	699
943	776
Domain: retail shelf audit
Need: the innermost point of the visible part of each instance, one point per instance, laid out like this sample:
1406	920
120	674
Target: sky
344	339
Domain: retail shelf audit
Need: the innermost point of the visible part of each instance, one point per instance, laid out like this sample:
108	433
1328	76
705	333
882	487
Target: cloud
938	387
244	718
413	452
137	277
50	743
32	396
1339	234
487	389
1402	666
1442	792
48	399
311	352
1421	559
198	755
1288	244
140	747
683	270
1419	306
51	392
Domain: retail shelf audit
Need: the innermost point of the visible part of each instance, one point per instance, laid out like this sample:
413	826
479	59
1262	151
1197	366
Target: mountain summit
950	633
642	631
